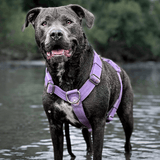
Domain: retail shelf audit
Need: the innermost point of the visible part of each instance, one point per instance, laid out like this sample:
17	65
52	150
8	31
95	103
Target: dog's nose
56	34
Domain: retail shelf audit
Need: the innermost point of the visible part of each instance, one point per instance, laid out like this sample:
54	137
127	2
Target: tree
15	44
124	30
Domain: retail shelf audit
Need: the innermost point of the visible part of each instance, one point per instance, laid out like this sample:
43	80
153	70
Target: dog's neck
73	73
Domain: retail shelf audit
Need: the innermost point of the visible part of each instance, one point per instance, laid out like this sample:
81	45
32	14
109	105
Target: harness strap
94	78
75	97
113	110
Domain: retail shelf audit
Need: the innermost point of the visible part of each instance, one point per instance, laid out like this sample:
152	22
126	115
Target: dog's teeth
52	53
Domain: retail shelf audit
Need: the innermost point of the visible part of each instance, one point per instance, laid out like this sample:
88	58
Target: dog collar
75	97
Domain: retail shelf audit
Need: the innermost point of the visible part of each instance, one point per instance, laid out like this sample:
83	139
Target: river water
24	132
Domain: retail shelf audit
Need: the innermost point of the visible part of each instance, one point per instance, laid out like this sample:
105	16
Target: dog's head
58	30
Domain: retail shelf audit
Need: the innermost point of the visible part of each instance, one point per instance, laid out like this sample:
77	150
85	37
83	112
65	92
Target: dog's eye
69	21
44	23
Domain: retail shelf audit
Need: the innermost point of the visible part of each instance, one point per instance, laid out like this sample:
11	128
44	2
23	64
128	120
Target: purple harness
75	97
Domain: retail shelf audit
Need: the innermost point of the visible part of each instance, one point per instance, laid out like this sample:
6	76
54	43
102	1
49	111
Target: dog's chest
68	110
60	72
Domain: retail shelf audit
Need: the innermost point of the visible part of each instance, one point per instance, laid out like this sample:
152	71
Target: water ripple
24	131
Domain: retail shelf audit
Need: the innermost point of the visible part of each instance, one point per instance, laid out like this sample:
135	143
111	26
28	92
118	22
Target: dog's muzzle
57	45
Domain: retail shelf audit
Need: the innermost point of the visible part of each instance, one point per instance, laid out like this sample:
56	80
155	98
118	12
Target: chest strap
75	97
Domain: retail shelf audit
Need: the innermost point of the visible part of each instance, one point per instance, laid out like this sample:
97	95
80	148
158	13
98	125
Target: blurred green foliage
124	30
14	43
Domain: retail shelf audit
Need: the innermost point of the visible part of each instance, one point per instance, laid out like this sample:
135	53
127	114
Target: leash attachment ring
73	92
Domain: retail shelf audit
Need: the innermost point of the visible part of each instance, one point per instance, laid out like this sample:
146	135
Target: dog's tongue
58	52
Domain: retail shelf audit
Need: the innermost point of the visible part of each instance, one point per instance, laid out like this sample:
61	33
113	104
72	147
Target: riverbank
41	63
36	63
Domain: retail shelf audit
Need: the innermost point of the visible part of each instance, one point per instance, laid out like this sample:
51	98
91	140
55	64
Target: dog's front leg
98	135
57	140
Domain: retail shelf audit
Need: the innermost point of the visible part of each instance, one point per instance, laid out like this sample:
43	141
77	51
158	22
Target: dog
69	58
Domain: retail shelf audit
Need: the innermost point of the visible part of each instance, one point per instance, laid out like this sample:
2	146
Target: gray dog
69	61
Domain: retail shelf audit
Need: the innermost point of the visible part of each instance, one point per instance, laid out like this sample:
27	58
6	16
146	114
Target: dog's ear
31	16
83	13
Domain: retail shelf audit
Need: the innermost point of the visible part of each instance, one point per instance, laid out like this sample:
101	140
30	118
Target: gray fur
73	74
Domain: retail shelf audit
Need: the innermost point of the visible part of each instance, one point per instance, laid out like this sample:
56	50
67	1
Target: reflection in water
24	132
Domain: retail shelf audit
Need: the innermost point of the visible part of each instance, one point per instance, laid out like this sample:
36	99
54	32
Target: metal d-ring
73	101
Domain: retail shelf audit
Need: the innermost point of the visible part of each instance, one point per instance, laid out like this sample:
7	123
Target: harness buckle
73	98
50	88
94	79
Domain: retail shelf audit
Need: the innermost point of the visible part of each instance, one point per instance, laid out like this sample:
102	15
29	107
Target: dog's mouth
59	52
